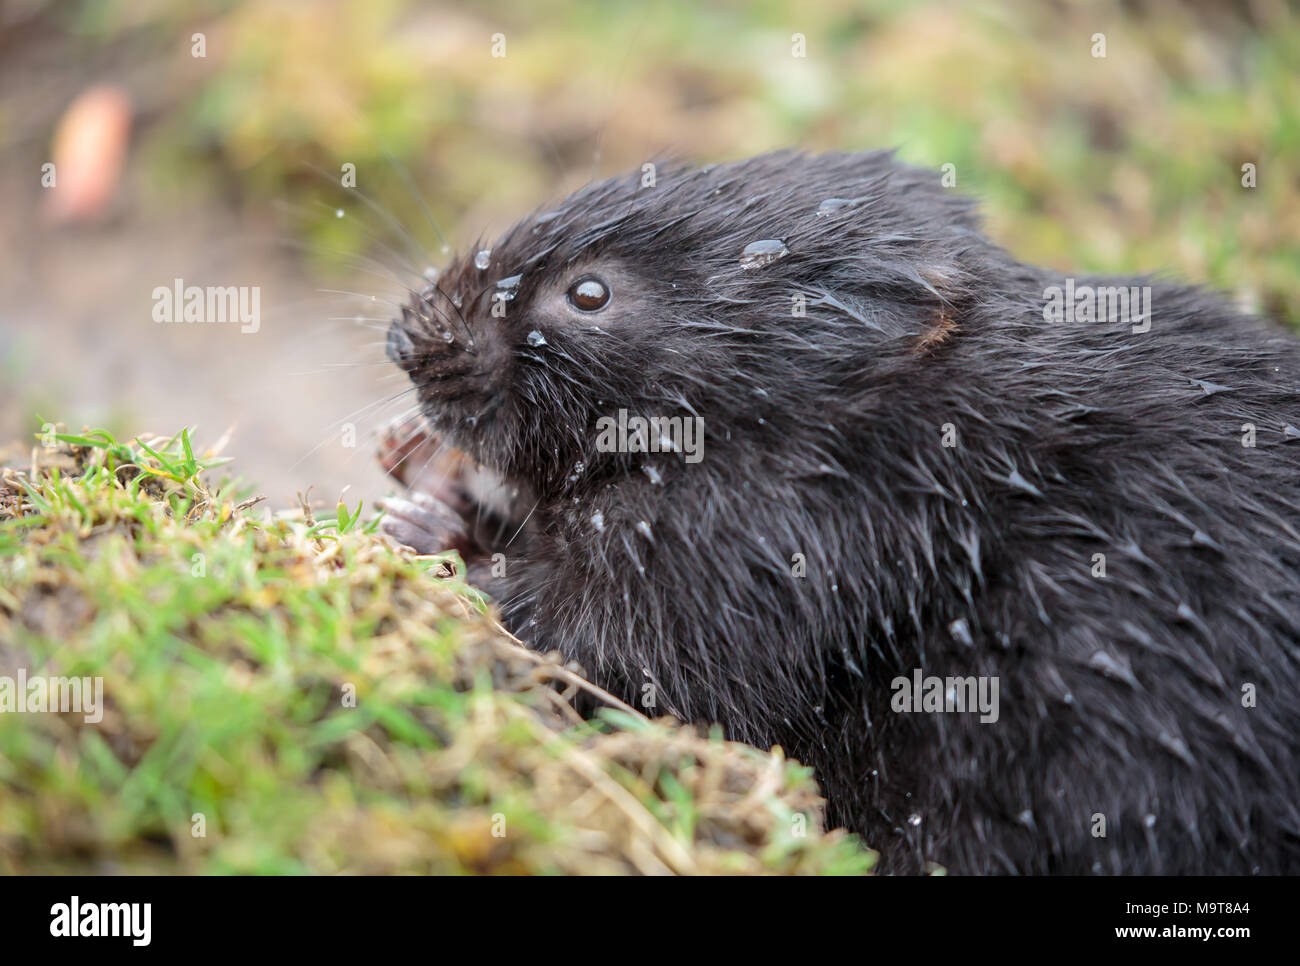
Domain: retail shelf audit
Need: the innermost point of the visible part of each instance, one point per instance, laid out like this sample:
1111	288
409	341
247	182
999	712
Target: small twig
307	515
248	504
563	673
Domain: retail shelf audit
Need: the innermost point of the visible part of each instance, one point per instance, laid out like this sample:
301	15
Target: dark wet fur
1119	696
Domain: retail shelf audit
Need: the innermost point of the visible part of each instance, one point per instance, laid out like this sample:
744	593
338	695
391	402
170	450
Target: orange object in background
88	153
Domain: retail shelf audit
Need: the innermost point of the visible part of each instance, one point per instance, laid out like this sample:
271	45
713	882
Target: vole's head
710	291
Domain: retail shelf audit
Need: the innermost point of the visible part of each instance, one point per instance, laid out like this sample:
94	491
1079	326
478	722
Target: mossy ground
315	700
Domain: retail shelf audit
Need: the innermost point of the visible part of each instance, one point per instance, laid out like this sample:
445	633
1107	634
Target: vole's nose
401	350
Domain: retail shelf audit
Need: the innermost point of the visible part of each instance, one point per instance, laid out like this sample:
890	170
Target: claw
425	524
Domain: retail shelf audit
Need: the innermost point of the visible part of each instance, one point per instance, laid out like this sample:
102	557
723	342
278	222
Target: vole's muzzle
401	350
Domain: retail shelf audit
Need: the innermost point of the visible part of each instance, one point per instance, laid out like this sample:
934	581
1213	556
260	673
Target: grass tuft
287	695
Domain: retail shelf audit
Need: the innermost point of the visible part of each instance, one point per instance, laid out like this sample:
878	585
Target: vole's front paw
409	452
429	525
450	505
435	515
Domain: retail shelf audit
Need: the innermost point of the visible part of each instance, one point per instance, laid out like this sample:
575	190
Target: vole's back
1127	565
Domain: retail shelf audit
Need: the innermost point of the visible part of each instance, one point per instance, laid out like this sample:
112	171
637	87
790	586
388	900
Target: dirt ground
80	345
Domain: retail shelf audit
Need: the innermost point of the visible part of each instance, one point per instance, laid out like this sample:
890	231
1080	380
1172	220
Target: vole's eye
589	294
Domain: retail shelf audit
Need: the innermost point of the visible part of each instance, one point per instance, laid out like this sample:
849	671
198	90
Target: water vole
921	459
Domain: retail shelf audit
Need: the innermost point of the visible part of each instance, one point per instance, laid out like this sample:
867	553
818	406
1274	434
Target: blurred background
206	140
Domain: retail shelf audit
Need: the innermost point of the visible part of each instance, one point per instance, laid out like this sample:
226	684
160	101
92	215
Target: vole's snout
401	350
432	342
426	334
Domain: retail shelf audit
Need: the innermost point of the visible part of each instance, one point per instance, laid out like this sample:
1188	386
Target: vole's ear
941	328
950	286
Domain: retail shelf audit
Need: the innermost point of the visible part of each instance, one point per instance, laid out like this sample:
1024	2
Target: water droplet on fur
483	259
544	219
448	337
960	631
1149	821
1210	388
644	529
914	820
1291	432
832	205
1112	667
576	475
535	338
598	520
652	474
1020	483
508	288
760	253
431	274
457	300
1026	817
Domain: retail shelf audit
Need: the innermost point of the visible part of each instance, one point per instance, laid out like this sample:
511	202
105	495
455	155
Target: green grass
315	700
